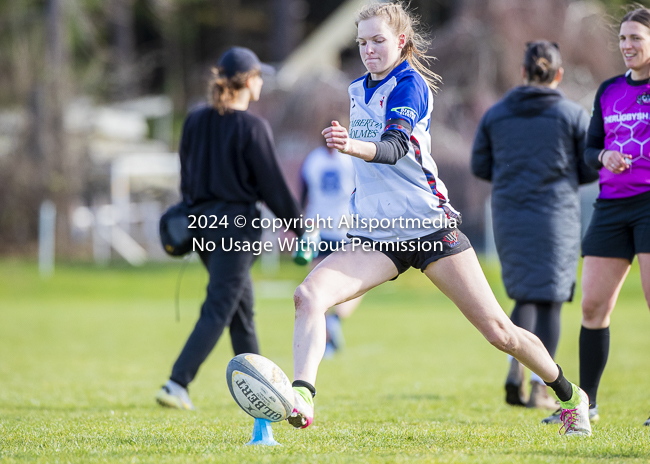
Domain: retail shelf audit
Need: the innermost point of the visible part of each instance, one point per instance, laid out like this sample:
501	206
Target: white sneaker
555	417
575	418
174	396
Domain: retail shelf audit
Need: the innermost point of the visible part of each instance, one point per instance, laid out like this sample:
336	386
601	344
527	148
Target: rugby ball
260	387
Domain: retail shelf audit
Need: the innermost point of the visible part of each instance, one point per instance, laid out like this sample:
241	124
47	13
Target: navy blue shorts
422	251
619	228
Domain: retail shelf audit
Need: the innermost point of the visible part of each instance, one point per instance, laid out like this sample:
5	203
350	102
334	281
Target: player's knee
304	298
593	310
502	337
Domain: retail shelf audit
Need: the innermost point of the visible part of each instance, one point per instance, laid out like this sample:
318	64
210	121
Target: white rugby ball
260	387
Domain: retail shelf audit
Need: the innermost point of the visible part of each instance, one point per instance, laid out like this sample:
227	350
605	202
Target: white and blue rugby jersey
410	189
329	177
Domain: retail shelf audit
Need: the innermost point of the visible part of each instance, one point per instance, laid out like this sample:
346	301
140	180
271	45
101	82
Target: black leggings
229	302
541	318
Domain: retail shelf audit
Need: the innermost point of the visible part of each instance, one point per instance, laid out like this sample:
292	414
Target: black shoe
515	394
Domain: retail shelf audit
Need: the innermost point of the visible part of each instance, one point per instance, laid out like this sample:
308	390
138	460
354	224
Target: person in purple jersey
618	144
389	143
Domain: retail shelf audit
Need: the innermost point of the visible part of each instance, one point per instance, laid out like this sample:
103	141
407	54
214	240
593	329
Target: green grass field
83	354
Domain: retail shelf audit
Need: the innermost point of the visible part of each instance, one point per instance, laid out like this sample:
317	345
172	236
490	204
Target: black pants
541	318
229	300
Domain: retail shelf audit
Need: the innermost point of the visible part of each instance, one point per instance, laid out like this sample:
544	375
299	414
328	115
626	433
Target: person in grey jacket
530	146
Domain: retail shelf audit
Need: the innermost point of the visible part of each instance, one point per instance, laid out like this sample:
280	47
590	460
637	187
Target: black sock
594	349
307	385
561	386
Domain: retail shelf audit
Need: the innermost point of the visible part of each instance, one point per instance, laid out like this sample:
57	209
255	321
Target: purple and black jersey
621	121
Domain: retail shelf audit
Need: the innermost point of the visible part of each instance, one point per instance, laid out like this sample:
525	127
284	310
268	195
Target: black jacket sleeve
259	153
304	192
586	173
596	132
482	152
182	153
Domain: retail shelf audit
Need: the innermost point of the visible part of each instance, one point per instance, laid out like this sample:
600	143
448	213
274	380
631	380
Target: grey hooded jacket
530	146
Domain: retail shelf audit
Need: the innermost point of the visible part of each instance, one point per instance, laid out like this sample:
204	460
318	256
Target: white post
46	238
121	193
102	235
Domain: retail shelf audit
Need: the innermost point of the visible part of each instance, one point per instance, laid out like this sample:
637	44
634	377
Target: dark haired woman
530	145
228	164
617	145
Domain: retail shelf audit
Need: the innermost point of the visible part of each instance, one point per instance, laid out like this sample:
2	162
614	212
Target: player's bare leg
602	279
461	278
341	277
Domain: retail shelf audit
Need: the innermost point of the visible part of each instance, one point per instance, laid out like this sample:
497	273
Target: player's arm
585	172
595	145
393	146
406	106
337	137
595	154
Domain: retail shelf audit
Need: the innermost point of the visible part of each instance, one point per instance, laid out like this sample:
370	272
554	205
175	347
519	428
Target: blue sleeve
408	101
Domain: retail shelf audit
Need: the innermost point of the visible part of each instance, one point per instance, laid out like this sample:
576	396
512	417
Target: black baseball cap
241	60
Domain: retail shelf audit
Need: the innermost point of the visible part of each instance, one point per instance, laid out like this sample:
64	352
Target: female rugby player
617	145
396	177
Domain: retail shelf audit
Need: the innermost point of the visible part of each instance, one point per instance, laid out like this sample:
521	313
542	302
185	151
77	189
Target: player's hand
337	137
615	161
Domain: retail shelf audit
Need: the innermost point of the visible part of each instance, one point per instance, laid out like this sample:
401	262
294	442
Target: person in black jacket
530	146
228	164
